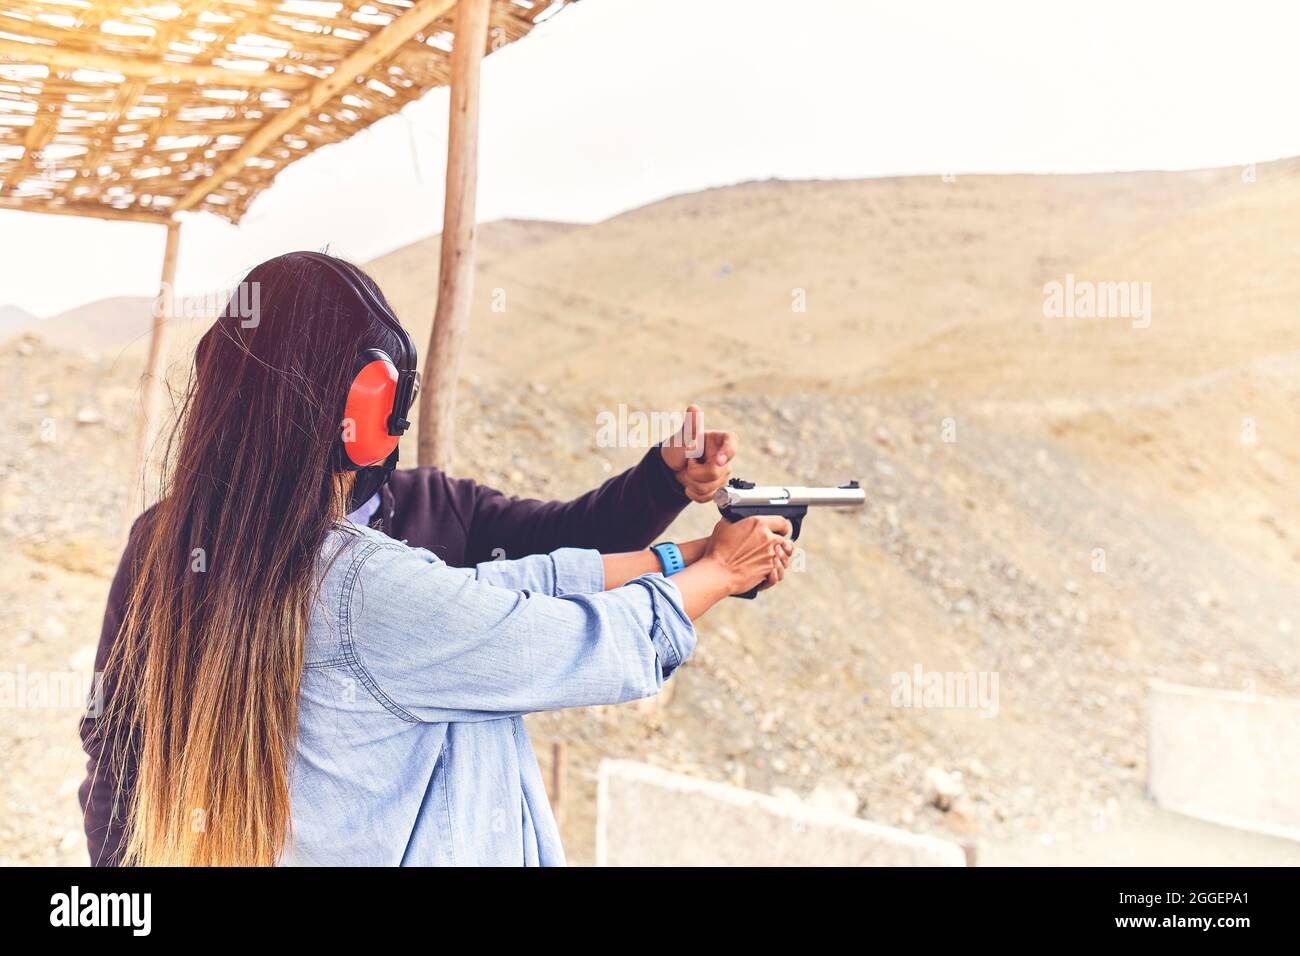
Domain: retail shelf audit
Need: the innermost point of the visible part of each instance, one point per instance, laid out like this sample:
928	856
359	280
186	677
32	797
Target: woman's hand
753	551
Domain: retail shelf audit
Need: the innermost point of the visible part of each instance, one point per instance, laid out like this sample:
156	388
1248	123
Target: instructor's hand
700	460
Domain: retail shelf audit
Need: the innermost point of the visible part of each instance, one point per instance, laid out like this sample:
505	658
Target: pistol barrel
742	494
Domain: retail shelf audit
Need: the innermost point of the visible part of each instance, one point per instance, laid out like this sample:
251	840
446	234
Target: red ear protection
381	393
366	414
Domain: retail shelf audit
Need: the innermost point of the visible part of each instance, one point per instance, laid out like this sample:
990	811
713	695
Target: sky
613	104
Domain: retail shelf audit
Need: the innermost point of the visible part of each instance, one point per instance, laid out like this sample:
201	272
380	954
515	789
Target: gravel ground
974	555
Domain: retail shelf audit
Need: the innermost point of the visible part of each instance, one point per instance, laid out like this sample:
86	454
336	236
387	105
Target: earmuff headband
407	364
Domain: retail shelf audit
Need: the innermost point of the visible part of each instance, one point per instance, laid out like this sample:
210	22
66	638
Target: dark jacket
462	522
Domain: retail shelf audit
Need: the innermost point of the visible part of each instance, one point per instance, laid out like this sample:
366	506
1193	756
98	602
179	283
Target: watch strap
670	556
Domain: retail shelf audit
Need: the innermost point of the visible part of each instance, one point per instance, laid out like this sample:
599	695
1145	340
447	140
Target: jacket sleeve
627	513
444	644
103	822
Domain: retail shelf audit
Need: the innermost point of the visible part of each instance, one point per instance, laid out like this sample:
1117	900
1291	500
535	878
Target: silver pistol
744	499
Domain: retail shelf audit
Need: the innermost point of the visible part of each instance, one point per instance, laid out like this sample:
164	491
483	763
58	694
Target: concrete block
651	817
1230	758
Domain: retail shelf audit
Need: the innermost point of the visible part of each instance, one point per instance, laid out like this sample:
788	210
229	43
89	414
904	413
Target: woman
289	686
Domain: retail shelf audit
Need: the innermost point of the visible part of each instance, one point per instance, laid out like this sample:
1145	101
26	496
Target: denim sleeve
566	571
435	643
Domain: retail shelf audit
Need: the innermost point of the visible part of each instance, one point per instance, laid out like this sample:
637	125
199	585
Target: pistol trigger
796	523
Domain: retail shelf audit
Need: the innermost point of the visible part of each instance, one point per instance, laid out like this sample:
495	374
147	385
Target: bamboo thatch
139	110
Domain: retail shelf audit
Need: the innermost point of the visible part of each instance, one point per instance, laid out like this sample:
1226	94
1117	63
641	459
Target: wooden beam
38	137
373	51
129	93
86	211
151	379
148	68
456	278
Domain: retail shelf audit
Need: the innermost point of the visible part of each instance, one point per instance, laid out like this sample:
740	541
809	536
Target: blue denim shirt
411	747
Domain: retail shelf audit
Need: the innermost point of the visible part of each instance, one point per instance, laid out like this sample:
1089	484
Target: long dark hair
206	669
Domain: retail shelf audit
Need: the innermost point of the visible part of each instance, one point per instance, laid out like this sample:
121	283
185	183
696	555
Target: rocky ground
1070	508
975	554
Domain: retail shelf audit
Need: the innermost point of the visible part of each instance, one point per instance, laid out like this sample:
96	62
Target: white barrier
1229	758
651	817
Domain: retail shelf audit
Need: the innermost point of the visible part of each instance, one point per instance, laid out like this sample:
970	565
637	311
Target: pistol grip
794	513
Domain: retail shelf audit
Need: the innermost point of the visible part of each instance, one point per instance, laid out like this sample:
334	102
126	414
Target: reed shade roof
141	110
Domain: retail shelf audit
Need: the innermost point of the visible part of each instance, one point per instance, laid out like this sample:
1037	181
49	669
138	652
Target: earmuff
372	397
383	386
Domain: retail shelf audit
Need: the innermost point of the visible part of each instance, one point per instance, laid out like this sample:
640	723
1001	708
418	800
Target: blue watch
670	556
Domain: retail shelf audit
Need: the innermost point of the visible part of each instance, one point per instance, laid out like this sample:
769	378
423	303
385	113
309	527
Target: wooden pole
456	259
151	379
557	781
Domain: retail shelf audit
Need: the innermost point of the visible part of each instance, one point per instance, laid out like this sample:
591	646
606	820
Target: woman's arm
716	566
621	568
442	644
449	644
702	583
582	571
711	572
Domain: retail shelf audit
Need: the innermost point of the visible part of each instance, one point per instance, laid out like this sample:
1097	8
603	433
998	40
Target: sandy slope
923	323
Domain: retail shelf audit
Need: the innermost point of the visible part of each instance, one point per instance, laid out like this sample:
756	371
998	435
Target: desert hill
13	319
112	324
1073	504
121	323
